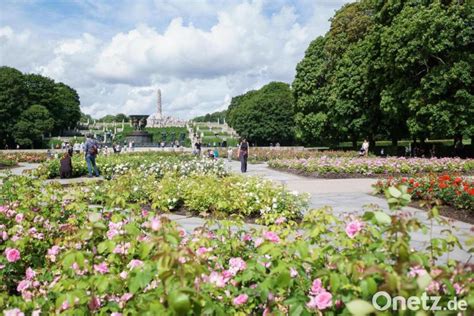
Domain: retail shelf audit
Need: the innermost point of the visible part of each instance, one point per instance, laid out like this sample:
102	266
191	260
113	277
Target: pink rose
353	228
321	301
155	223
19	217
203	250
30	274
135	263
316	287
416	271
247	237
280	220
241	299
13	312
237	264
53	251
23	285
102	268
126	297
12	254
217	279
271	236
123	274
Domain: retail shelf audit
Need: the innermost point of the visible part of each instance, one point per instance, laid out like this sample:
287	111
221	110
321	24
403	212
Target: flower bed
6	163
25	157
58	256
351	167
454	191
266	154
157	163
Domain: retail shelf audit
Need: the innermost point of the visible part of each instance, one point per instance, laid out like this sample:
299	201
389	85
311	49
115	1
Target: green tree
13	101
264	116
32	125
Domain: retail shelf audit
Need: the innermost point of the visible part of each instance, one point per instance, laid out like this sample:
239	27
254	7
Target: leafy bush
450	190
370	166
61	256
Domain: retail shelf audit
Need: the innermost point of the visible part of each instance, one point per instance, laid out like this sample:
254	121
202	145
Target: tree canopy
211	117
32	105
264	116
388	69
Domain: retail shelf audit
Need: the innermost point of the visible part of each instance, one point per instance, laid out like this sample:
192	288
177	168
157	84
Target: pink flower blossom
280	220
217	279
182	260
321	301
13	312
123	274
53	251
144	212
111	233
23	285
126	297
203	250
258	241
19	217
416	271
4	235
241	299
353	228
102	268
135	263
271	236
247	237
433	287
116	314
3	208
30	273
36	312
12	254
65	305
316	287
182	233
155	223
236	265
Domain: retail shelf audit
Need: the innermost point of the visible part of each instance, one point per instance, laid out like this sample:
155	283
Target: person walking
229	154
243	154
91	151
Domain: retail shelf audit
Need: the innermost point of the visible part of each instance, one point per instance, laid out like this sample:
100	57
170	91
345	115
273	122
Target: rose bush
156	163
450	190
127	261
25	157
373	166
267	154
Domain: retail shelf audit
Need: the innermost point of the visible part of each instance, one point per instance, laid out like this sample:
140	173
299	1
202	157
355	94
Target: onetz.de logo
382	301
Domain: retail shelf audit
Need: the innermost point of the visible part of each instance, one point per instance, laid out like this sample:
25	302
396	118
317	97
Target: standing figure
65	169
243	155
365	147
91	151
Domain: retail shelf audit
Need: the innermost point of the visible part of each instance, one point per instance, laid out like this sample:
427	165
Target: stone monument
139	136
157	119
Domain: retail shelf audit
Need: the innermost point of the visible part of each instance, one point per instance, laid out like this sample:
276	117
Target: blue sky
200	53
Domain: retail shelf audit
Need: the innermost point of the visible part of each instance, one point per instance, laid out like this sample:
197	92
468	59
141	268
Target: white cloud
197	68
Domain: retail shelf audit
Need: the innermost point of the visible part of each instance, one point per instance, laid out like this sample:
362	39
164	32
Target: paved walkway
349	196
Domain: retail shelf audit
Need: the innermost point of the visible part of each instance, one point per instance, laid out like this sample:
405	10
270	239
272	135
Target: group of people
91	150
242	153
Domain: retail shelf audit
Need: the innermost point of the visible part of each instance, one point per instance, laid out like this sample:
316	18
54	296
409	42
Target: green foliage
264	116
32	125
22	96
388	70
211	117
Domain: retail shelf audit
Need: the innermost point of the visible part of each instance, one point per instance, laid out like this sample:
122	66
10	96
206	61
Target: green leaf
382	218
360	308
394	192
423	280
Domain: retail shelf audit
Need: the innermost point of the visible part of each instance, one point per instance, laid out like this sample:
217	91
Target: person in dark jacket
243	154
65	169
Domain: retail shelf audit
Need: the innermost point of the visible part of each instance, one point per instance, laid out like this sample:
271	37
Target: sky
200	53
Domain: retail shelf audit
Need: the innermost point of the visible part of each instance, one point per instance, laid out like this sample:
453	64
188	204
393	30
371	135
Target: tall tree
264	116
33	124
13	101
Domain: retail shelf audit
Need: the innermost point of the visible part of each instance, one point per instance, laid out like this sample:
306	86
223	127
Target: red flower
458	180
443	185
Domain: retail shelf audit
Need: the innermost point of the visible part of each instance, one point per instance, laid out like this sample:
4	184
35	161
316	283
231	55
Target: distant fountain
139	135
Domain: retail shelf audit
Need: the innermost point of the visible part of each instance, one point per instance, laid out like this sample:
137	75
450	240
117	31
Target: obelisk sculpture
158	104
